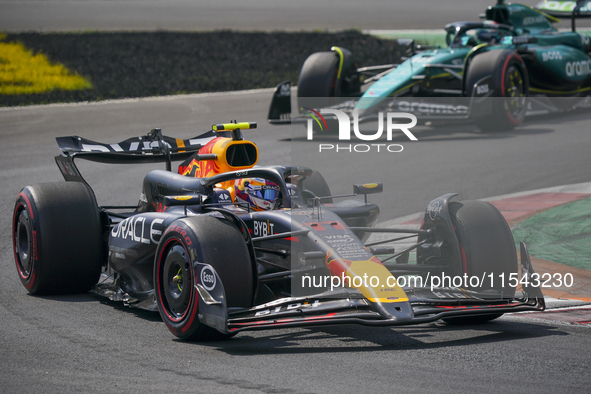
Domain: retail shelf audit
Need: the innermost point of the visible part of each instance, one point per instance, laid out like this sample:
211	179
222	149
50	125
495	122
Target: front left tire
208	240
487	251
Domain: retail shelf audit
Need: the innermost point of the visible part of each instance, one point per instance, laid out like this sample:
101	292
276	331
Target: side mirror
368	188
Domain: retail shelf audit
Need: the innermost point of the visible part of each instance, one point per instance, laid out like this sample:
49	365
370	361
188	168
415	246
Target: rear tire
208	240
57	238
318	75
486	247
320	84
510	84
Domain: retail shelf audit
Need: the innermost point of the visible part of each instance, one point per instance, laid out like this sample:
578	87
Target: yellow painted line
547	16
535	90
402	89
341	59
22	72
476	48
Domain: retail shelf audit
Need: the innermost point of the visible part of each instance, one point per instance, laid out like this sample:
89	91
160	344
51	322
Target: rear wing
151	148
573	9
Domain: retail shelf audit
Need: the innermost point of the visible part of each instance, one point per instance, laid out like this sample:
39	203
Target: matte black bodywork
301	236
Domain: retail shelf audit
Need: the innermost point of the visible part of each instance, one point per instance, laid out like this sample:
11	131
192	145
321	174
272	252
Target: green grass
561	234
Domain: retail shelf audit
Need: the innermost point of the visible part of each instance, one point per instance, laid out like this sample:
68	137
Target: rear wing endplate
280	108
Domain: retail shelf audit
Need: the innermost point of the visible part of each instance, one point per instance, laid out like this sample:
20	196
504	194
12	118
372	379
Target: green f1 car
494	72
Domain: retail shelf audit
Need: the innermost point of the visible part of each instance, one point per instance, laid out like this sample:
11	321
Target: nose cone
369	111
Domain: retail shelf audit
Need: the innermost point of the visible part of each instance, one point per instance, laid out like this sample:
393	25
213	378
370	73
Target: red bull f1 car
492	73
222	245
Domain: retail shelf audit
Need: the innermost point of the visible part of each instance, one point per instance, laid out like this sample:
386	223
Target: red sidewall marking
159	292
31	276
509	115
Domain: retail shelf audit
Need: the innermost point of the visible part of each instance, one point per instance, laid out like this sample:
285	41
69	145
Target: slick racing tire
319	84
486	248
208	240
510	86
318	75
57	238
318	186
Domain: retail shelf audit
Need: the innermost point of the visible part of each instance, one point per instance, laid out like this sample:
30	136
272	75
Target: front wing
426	109
348	306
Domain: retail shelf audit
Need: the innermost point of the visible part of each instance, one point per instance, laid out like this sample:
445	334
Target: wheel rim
176	283
514	92
23	244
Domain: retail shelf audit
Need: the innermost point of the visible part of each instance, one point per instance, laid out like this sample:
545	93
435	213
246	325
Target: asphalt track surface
73	344
266	15
84	344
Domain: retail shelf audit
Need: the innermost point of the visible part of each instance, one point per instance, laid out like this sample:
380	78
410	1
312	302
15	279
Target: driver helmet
260	194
